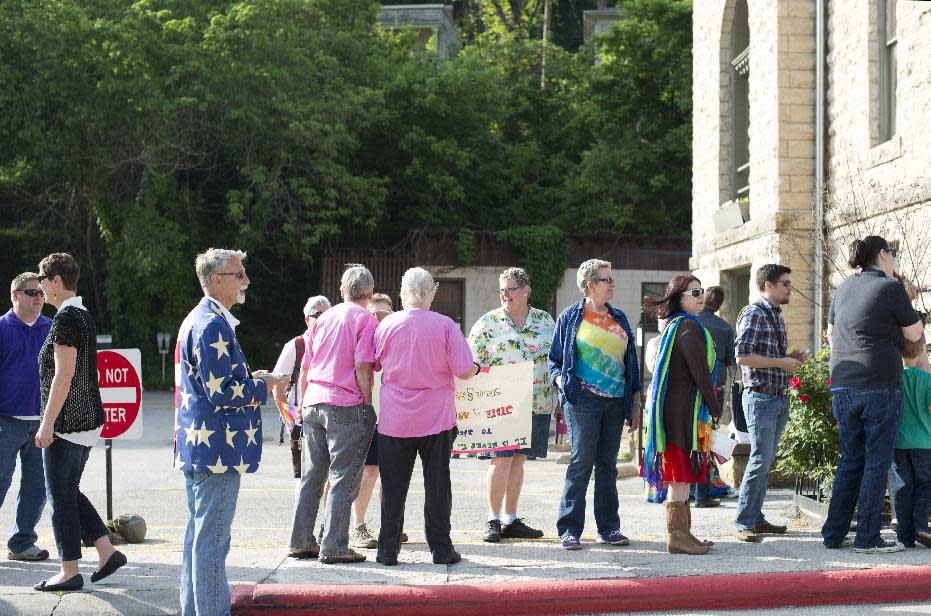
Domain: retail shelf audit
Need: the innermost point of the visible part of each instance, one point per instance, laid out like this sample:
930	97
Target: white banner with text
494	409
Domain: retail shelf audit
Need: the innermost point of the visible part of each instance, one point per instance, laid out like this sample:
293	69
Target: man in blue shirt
22	332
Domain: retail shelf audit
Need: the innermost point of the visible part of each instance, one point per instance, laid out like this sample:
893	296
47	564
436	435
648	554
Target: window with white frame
740	102
887	68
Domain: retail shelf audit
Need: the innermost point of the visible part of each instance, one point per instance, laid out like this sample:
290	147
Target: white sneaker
360	537
884	547
32	553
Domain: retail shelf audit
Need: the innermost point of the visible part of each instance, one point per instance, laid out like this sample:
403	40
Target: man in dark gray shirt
723	336
722	333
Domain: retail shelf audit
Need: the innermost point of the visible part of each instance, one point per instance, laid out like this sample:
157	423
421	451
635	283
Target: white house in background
642	265
433	24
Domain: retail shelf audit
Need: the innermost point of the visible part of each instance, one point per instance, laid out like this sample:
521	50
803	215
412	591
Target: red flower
795	382
829	380
803	398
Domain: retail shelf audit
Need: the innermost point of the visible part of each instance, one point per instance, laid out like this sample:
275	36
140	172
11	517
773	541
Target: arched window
740	102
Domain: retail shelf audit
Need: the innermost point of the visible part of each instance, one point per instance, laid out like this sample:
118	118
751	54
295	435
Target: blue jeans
767	417
74	519
868	422
18	436
594	424
211	501
911	485
336	440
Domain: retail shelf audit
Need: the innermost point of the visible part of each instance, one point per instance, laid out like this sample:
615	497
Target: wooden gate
387	269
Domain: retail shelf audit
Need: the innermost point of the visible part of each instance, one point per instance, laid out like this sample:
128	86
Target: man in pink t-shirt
419	353
338	420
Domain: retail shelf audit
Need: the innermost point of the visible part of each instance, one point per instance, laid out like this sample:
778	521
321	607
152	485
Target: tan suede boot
688	509
677	525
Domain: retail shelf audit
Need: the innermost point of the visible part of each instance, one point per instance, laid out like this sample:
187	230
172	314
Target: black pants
74	519
396	458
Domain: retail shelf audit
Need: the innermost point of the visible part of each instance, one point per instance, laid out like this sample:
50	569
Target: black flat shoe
116	560
386	561
75	583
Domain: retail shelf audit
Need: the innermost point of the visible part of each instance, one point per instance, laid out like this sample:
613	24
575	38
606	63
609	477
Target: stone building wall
781	89
879	187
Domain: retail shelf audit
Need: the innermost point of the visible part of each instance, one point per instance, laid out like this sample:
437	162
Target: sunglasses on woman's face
32	292
699	292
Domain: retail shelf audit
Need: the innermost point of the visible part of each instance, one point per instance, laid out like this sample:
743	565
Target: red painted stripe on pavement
749	590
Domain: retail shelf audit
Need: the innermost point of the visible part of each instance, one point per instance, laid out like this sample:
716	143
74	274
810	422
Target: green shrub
810	445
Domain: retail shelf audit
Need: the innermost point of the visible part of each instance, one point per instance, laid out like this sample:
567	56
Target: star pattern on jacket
250	434
242	467
221	345
217	397
203	434
218	467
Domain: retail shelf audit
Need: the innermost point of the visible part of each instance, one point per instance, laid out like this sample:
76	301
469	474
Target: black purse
737	407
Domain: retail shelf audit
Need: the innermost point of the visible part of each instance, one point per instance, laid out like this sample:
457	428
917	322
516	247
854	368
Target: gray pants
336	439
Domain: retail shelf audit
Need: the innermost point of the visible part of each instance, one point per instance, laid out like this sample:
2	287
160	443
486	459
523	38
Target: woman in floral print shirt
511	334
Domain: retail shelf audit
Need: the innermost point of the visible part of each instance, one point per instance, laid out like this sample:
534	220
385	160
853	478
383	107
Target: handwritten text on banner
494	409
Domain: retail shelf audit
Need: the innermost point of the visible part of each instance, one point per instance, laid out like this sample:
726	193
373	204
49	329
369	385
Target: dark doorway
736	283
450	299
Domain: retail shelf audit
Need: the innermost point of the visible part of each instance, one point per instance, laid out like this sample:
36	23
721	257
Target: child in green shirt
911	466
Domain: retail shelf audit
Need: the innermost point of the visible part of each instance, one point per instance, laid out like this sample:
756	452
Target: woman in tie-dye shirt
511	334
593	362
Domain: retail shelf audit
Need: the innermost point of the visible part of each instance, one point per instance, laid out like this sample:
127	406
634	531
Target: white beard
241	297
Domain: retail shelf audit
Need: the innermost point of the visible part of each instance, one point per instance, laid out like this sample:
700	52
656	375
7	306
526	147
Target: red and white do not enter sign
119	377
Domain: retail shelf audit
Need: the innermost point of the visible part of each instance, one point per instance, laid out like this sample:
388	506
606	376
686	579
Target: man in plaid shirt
762	345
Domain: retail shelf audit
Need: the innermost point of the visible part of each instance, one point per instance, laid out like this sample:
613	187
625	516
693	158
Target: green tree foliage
137	134
638	116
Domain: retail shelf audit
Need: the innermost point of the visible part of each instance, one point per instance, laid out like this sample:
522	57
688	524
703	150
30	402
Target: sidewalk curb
742	591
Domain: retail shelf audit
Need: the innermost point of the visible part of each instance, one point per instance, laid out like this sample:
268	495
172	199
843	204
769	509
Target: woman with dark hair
681	406
72	415
869	318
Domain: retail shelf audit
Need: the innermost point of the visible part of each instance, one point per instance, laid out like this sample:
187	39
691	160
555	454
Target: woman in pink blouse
419	353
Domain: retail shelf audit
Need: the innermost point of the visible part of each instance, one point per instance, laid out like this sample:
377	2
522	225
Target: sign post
164	344
119	376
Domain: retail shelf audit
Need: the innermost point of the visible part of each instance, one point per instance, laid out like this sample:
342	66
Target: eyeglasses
510	290
32	292
240	274
608	280
699	292
786	283
891	251
314	315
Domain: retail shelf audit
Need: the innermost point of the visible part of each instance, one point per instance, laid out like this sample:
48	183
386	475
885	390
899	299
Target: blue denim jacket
562	356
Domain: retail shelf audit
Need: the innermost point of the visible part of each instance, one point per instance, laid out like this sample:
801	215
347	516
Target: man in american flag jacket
218	427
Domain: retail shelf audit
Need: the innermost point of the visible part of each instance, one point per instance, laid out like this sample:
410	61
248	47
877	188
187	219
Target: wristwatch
368	407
